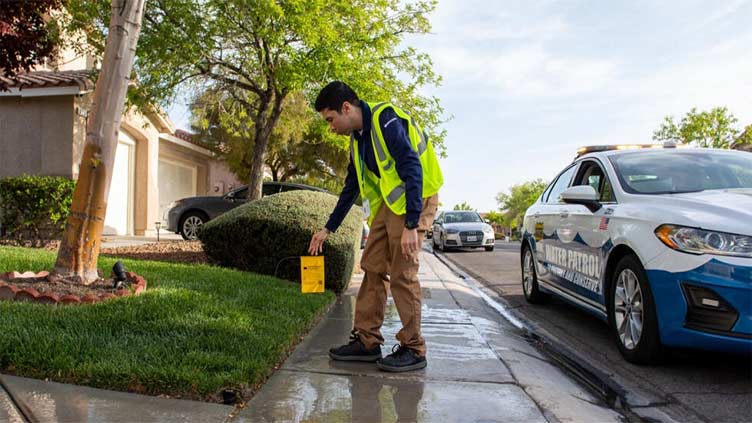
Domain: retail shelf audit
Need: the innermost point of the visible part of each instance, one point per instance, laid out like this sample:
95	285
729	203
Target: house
43	129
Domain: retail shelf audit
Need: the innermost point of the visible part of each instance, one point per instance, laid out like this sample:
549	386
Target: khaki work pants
382	255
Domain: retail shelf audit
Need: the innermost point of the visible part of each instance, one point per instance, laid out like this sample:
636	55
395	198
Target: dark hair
333	95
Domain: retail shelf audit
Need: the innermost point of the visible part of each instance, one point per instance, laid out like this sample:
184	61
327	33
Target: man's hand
317	242
409	242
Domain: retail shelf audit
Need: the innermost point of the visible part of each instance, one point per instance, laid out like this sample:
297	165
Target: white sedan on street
462	229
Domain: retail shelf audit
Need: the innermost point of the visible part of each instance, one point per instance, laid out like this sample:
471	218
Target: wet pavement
39	401
480	369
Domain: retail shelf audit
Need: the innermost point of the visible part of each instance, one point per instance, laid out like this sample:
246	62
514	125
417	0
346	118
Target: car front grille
477	234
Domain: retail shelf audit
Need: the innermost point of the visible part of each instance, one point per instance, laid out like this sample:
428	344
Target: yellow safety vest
389	188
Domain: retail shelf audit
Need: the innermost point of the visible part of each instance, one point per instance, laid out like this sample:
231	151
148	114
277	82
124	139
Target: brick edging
10	292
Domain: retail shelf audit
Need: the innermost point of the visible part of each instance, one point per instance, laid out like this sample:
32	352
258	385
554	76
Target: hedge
35	207
269	235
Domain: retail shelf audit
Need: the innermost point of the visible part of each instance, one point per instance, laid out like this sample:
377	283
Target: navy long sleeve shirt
406	161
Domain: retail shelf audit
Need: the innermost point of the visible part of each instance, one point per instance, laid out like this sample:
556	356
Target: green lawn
197	330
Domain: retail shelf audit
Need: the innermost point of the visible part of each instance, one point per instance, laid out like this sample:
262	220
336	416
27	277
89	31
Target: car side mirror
584	195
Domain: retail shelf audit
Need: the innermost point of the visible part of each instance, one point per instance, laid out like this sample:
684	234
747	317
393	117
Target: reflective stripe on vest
379	149
395	194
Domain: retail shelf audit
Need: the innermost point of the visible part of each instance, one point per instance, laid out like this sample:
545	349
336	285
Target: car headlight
452	231
699	241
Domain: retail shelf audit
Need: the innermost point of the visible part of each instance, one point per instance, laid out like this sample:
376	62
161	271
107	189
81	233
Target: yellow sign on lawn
311	274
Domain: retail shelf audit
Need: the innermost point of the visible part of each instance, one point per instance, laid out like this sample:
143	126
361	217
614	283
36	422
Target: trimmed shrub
35	207
269	235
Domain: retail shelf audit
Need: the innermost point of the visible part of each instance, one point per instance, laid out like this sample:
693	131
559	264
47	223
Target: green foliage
495	217
745	139
27	38
260	51
714	128
463	206
520	197
268	235
35	207
196	330
299	150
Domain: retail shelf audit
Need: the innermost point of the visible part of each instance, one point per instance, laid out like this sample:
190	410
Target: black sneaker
402	359
355	351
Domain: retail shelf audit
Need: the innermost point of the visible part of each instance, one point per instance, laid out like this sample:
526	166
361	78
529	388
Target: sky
526	83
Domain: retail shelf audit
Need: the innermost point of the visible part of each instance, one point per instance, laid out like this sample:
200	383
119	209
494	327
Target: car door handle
563	213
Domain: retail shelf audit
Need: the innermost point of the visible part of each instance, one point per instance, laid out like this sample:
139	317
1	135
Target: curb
612	393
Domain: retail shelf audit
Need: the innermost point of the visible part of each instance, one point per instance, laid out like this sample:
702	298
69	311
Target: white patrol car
656	241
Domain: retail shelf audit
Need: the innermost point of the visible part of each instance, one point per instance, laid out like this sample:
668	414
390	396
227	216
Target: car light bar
599	148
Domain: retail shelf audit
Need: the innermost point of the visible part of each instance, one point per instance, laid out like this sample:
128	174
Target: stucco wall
220	179
36	136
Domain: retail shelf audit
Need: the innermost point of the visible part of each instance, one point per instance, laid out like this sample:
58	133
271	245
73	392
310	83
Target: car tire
491	248
189	224
530	288
631	313
442	247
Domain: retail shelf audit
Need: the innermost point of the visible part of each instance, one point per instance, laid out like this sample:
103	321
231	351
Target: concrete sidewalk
114	241
480	368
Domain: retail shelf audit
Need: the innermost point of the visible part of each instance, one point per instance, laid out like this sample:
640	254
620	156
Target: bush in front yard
268	235
35	207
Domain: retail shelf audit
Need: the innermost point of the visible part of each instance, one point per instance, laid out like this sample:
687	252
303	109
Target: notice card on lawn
311	274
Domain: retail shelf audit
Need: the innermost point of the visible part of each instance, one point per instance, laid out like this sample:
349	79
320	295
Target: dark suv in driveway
186	215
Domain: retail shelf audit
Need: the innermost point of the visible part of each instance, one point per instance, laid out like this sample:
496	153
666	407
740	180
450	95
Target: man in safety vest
395	170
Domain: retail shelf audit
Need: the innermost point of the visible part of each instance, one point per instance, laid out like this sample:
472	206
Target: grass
195	331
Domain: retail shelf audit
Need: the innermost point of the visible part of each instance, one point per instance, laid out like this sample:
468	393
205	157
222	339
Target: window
462	217
674	172
269	189
562	182
241	193
591	173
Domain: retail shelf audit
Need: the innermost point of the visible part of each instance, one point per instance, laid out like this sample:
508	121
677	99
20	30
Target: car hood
721	210
467	226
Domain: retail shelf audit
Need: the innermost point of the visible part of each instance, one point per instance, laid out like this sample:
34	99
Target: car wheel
442	247
190	223
631	313
530	288
490	248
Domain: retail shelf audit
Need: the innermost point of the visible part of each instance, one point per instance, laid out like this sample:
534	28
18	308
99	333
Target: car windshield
461	217
663	172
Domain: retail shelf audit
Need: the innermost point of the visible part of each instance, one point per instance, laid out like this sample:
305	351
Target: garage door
119	218
176	180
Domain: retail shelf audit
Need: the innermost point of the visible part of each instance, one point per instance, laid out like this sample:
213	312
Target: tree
301	148
79	249
746	137
463	206
260	51
519	199
496	217
27	39
714	128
